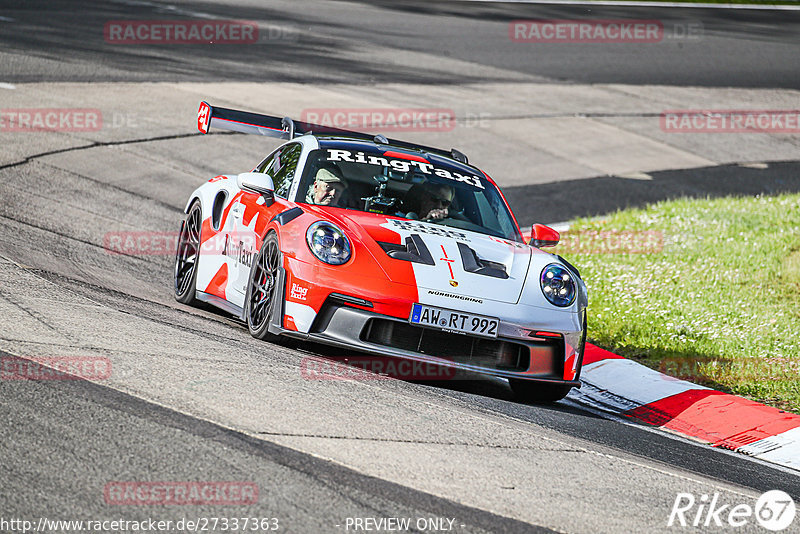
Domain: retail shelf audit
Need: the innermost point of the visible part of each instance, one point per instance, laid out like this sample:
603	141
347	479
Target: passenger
429	201
327	188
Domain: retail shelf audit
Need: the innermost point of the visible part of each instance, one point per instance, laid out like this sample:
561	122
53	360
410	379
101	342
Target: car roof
434	156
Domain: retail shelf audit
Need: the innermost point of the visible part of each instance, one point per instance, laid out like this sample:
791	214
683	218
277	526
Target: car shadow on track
343	364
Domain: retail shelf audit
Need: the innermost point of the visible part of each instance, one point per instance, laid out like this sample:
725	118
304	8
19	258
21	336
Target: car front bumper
535	358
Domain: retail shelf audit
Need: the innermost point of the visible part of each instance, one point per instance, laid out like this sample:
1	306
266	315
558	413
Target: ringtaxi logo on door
774	511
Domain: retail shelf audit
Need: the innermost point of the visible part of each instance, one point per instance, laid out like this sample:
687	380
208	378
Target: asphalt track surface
165	418
330	42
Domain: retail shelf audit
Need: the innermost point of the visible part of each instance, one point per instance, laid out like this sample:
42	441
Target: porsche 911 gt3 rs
385	247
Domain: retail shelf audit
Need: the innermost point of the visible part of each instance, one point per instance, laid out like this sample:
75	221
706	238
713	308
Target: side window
264	165
281	166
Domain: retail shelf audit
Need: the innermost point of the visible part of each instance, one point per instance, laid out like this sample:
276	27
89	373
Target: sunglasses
443	201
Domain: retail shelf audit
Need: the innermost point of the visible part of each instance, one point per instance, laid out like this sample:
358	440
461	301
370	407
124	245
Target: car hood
460	263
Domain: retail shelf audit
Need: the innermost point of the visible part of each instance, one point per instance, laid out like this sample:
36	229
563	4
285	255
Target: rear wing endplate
285	128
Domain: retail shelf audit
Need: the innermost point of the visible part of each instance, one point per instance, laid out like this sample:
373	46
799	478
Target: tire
537	392
262	289
187	256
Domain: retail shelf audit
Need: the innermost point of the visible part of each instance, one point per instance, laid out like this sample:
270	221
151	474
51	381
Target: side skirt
220	303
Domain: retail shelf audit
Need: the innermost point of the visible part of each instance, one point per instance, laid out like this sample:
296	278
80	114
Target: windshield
391	183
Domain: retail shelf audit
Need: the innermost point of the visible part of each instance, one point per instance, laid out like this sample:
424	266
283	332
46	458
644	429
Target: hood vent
474	264
414	250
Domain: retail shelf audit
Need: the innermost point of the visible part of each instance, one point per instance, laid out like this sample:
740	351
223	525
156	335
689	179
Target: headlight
328	243
558	285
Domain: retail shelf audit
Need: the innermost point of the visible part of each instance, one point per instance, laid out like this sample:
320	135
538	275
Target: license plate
454	321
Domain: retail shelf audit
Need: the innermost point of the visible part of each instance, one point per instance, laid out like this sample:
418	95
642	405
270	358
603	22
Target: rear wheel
537	392
187	255
262	289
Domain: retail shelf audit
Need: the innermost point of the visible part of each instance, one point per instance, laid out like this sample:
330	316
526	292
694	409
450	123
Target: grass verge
704	290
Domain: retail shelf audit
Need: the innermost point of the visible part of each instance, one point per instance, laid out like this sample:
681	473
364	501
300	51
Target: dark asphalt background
68	437
59	41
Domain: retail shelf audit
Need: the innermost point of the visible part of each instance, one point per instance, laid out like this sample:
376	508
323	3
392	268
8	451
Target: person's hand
436	214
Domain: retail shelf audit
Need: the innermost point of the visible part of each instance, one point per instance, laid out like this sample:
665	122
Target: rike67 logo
774	511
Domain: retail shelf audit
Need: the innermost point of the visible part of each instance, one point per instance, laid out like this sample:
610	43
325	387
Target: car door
250	215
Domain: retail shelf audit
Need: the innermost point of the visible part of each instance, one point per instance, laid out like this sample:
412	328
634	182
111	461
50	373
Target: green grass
719	304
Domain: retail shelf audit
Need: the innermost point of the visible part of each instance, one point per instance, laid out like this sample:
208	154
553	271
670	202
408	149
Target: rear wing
285	128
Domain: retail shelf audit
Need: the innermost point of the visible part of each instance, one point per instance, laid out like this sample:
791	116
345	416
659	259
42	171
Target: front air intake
470	350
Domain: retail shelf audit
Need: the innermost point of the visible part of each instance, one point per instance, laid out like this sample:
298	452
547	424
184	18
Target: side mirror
257	182
543	236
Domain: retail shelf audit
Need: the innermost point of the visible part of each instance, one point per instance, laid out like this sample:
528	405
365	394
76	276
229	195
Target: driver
327	188
429	201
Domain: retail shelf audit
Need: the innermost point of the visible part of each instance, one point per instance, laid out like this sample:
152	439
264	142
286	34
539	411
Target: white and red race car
385	247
